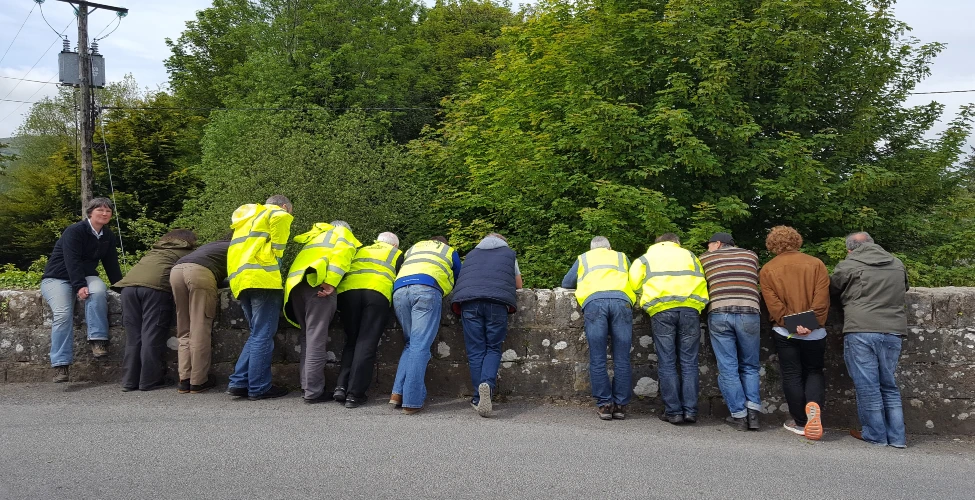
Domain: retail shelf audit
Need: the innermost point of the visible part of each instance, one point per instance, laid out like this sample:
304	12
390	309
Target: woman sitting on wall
72	274
147	311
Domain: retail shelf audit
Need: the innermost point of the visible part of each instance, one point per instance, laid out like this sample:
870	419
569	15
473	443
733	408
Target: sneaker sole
603	416
814	423
484	406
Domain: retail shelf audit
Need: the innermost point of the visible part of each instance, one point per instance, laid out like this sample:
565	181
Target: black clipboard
806	319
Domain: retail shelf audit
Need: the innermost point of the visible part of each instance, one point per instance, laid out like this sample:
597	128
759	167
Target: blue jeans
61	297
871	359
418	311
673	329
485	327
609	319
262	309
735	339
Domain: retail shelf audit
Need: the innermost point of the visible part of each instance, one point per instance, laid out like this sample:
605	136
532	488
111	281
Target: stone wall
546	355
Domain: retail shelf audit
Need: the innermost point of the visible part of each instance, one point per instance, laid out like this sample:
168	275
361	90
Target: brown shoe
99	348
60	374
411	411
857	434
396	400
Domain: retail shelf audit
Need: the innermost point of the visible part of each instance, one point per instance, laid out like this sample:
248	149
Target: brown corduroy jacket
794	282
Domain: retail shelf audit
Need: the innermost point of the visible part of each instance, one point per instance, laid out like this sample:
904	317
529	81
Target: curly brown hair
783	239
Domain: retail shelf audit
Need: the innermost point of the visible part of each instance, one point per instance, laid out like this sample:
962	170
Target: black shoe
690	419
166	382
605	412
204	387
753	424
339	394
320	399
619	412
129	389
183	387
739	423
237	392
674	419
355	401
273	392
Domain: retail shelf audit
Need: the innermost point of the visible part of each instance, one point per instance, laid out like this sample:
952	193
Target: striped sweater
732	275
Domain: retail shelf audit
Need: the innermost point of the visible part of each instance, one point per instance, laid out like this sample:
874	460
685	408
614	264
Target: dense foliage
616	117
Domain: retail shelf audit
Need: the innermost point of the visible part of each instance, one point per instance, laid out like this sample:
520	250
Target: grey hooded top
871	284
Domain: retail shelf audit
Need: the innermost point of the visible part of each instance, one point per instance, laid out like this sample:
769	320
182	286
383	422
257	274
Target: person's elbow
518	282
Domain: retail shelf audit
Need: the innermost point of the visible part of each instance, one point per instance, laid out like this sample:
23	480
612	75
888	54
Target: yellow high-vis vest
669	276
254	257
325	258
373	268
432	258
603	270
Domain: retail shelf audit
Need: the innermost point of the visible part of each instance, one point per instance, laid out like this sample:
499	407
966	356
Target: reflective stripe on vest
252	259
432	258
602	270
675	281
374	268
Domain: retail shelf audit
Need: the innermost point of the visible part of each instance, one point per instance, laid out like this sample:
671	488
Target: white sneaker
790	425
484	406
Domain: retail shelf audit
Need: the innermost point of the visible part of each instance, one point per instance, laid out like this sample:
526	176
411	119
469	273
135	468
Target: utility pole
87	102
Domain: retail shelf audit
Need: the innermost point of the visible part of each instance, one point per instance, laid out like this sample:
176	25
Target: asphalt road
93	441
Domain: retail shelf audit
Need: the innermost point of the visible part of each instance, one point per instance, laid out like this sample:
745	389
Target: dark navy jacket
487	275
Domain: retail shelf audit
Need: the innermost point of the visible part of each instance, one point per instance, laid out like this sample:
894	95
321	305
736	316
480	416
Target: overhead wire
39	59
18	33
26	79
61	35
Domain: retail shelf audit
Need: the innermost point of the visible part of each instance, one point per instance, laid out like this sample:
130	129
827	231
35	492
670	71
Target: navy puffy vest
487	275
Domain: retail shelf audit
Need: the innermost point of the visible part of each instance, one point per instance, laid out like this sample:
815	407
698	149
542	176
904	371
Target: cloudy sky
138	46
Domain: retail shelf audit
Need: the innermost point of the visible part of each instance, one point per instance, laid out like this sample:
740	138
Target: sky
138	47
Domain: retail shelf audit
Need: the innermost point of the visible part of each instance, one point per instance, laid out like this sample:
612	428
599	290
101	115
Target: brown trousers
195	291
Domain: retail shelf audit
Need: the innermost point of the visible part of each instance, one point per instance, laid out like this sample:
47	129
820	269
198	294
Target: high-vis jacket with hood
373	268
669	276
325	258
254	257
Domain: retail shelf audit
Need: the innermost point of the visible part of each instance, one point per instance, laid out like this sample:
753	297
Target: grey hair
498	236
388	237
98	203
340	223
279	200
600	242
857	239
668	237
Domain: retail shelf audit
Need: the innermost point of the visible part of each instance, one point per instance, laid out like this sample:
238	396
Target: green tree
629	118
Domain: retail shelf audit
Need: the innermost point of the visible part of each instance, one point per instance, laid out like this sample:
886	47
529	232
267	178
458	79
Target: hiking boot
60	374
674	419
484	406
204	387
605	412
237	392
619	412
753	424
182	388
690	419
339	394
814	423
396	400
99	348
273	392
355	401
320	399
411	411
739	423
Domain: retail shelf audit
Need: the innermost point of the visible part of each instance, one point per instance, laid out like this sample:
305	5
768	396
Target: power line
28	80
15	100
117	18
316	108
60	35
18	32
943	92
38	61
22	103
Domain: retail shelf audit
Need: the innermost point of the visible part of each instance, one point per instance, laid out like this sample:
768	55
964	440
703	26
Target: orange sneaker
814	422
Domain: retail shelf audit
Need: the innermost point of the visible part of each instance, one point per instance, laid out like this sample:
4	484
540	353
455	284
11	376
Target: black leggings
801	363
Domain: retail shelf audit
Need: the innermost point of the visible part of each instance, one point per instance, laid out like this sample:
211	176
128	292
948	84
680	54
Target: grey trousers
314	315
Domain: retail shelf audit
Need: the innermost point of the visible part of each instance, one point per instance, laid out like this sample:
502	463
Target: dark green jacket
153	270
871	284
